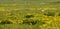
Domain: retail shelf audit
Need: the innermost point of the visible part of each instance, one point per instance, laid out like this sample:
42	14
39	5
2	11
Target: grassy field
29	14
21	19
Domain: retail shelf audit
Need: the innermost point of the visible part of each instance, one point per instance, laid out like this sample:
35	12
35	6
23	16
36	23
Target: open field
30	14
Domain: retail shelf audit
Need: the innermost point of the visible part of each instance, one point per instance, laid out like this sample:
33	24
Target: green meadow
26	14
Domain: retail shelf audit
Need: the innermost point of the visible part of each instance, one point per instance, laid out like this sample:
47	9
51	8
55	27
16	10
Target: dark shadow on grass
5	22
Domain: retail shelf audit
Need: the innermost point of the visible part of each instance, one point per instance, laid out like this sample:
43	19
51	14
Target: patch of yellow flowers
16	8
16	21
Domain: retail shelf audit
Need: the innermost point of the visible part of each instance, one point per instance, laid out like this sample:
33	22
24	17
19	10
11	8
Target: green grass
21	13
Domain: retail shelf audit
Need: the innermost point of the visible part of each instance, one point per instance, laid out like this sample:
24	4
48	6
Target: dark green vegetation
5	22
29	16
